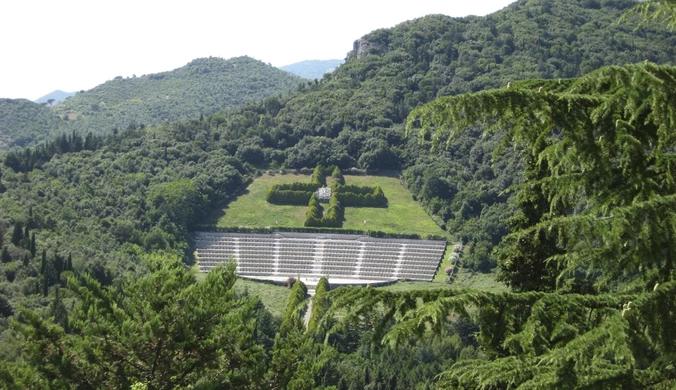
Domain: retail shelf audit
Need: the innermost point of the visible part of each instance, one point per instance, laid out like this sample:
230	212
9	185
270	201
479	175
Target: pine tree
163	328
607	141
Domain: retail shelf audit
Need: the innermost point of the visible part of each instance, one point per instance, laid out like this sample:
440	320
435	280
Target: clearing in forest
402	214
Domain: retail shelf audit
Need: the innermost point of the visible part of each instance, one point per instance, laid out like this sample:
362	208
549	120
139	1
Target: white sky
77	44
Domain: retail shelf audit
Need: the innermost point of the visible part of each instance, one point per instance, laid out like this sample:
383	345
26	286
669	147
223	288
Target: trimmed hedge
292	197
270	230
313	215
337	177
365	197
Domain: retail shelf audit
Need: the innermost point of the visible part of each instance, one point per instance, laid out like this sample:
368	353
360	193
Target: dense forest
202	87
21	121
570	172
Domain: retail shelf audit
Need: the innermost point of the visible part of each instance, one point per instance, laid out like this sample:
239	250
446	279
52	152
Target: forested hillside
202	87
353	117
96	228
22	121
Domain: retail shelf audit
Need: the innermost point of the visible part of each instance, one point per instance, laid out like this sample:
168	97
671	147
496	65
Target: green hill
22	121
202	87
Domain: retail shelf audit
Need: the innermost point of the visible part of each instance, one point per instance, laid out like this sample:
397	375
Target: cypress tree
58	310
33	248
26	239
5	257
43	262
17	234
69	263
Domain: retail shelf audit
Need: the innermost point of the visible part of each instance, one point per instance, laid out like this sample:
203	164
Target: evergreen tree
69	263
58	311
33	248
2	186
5	257
43	262
26	239
17	234
163	329
2	236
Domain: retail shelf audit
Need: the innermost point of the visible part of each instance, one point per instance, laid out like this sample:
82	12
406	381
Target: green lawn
403	215
464	279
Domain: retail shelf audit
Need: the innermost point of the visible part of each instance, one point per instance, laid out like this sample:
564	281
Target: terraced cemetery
382	205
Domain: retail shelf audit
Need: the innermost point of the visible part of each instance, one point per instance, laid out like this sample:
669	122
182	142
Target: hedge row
292	317
318	176
293	197
333	218
337	177
375	198
270	230
314	212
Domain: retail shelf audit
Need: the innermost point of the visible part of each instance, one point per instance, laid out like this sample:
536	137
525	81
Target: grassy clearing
463	280
403	215
273	297
251	209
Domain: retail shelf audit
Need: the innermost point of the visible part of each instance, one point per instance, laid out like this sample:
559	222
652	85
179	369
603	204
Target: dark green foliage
6	309
276	195
162	329
59	312
353	196
33	248
293	319
22	122
320	304
5	257
318	177
337	177
314	213
17	234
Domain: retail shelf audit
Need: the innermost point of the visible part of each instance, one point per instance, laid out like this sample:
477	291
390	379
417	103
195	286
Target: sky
75	45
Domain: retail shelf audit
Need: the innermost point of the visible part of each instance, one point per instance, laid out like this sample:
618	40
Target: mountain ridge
312	69
201	87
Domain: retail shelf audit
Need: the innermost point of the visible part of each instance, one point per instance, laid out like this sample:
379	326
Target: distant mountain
57	95
312	69
202	87
22	121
